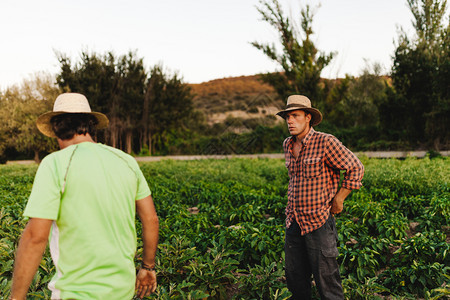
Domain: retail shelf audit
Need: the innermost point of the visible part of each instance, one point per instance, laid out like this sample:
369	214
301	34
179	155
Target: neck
76	139
301	136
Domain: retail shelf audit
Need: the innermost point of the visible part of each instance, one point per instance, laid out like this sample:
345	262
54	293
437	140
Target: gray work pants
313	254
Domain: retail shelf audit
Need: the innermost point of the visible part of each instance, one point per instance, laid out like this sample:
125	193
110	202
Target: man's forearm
150	229
28	258
342	194
150	234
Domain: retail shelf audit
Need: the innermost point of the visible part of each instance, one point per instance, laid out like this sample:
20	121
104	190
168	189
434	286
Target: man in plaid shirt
314	161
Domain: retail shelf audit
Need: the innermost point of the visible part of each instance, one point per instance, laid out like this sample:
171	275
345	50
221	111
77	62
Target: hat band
296	105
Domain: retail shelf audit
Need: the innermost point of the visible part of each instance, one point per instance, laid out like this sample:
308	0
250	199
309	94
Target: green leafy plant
222	229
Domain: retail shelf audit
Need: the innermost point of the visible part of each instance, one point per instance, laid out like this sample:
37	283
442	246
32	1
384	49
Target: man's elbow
36	232
31	238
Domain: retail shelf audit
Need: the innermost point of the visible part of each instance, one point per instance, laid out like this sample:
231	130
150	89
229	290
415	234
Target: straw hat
296	102
69	103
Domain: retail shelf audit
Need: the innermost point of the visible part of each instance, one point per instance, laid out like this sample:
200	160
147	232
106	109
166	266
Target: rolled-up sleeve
339	157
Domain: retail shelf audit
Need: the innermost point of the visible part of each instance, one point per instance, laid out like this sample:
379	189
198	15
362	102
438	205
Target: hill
243	97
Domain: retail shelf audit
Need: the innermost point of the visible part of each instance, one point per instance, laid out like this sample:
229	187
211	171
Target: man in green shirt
84	200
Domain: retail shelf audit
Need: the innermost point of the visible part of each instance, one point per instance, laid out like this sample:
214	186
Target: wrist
148	267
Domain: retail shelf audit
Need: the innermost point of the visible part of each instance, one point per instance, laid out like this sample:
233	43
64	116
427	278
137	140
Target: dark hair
67	125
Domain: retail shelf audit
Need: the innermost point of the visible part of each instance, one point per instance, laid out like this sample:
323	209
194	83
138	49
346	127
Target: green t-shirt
89	190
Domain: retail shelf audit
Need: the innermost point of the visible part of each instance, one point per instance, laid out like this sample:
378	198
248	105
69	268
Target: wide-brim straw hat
69	103
296	102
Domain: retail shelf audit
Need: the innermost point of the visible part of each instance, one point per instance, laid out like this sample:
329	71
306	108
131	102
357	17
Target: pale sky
202	40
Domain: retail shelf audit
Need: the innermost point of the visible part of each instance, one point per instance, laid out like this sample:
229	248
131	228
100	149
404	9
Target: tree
301	61
20	108
114	86
168	102
353	101
420	74
143	109
133	82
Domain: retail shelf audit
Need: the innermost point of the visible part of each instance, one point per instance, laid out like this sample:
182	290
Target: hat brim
315	113
45	127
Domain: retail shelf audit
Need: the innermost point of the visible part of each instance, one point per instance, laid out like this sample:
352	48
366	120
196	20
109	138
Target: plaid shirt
314	178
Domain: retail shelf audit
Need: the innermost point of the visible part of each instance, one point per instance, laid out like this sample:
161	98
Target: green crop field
222	229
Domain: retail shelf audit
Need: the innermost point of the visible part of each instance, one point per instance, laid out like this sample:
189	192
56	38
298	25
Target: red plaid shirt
314	178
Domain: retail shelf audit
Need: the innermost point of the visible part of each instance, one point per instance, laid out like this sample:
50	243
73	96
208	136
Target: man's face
298	122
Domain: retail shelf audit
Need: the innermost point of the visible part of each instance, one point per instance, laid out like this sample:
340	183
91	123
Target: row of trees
411	107
144	107
421	75
151	111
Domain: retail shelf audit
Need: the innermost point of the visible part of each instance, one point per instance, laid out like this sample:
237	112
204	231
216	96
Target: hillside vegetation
244	97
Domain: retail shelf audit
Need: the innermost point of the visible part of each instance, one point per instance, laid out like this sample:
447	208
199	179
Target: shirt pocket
312	167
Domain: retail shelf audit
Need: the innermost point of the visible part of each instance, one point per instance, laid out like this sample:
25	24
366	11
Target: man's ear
308	117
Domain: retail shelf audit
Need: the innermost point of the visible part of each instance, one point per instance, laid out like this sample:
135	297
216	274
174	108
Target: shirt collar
308	137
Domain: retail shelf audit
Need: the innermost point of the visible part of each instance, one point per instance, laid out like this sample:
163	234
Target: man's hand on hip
337	204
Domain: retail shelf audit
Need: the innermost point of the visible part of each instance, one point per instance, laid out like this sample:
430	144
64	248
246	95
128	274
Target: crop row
222	229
